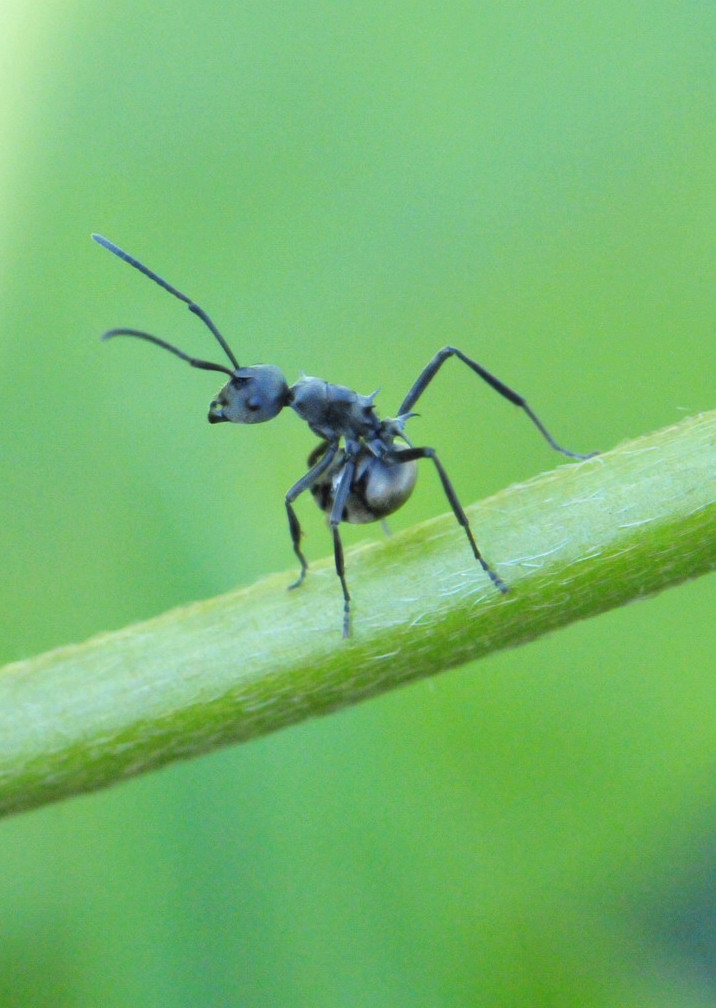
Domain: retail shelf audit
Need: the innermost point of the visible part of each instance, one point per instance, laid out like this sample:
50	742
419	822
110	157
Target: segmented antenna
194	361
192	305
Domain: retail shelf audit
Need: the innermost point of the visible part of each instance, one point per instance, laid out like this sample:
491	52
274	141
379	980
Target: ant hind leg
410	454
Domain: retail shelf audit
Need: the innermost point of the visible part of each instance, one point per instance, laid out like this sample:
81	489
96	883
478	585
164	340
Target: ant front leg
412	454
293	523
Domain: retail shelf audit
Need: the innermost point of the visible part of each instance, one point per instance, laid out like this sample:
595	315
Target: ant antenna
204	365
192	305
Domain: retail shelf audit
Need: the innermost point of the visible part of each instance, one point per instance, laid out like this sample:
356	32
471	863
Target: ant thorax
334	411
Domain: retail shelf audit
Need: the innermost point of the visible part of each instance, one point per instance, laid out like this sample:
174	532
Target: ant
367	476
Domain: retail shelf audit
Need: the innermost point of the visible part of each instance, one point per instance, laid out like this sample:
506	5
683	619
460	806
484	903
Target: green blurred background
346	188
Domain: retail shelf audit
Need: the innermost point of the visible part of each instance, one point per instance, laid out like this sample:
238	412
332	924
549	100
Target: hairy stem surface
571	543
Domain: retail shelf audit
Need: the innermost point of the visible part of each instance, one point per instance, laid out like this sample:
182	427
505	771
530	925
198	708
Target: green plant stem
570	543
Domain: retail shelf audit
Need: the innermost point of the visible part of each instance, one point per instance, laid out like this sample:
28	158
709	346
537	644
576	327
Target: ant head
253	395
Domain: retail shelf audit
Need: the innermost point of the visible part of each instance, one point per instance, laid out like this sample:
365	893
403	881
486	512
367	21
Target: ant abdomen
379	487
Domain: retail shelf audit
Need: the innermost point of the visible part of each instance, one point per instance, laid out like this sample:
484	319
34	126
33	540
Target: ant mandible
366	478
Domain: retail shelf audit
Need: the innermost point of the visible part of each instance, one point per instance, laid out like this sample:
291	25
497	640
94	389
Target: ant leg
429	372
339	502
293	523
341	572
296	533
412	454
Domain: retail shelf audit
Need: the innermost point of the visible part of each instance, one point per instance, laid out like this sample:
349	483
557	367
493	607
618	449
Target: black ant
365	478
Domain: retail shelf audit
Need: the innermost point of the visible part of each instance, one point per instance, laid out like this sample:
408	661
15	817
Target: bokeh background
346	188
